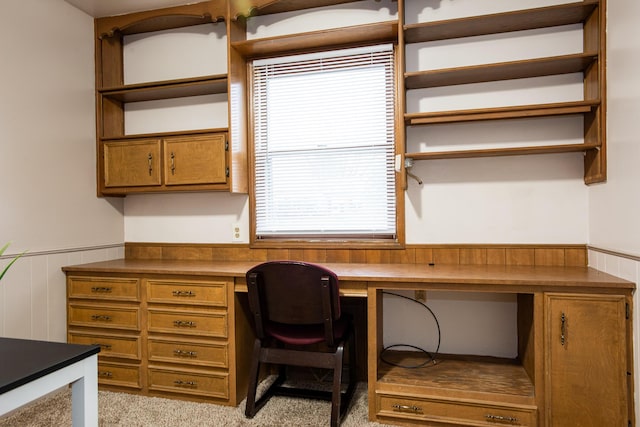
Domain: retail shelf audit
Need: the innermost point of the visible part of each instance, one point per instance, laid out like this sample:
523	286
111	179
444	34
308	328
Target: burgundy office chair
298	322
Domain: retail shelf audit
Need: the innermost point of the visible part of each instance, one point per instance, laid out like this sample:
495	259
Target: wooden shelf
161	19
500	71
319	40
571	13
267	7
501	113
499	152
467	376
168	89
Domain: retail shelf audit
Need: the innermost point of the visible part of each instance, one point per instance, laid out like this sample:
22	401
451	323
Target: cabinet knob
185	353
501	419
184	294
181	383
407	408
184	324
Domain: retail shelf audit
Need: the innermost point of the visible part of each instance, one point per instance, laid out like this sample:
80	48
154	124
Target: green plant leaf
4	271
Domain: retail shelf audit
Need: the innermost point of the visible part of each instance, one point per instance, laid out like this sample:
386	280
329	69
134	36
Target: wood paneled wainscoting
574	255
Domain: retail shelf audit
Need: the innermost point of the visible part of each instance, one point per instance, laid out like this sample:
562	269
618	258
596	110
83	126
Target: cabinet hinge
627	310
227	172
226	146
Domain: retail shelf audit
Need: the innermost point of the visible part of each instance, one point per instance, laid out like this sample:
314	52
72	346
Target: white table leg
84	401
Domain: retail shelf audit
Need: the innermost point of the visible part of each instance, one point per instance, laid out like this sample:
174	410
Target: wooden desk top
23	361
356	278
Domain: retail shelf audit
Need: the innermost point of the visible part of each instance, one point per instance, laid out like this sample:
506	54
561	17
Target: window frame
400	180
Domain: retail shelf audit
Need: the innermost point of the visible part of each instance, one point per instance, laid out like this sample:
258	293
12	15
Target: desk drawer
121	346
453	412
212	294
213	323
118	317
211	384
120	375
215	355
111	288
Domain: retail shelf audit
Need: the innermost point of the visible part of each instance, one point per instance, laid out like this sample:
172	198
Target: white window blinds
324	145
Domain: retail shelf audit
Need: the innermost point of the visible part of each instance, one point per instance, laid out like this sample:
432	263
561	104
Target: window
325	145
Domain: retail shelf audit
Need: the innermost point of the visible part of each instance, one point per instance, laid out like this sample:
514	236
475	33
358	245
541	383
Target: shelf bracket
408	164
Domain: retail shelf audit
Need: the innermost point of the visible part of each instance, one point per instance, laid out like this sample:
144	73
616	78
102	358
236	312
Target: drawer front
187	292
194	353
121	346
109	288
213	324
453	412
120	375
189	382
104	316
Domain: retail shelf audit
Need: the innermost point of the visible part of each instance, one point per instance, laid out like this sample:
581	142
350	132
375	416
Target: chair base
277	389
340	400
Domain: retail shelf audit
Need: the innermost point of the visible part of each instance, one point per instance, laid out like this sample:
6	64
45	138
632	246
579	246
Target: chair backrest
293	293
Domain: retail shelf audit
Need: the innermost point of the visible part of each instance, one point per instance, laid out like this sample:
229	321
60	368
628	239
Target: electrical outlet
236	231
421	296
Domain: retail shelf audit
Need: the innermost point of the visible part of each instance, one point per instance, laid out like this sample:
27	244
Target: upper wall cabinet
163	120
562	74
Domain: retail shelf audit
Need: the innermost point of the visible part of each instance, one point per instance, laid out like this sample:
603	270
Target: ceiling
100	8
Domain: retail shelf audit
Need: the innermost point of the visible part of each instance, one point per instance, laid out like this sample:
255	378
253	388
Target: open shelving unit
198	159
590	63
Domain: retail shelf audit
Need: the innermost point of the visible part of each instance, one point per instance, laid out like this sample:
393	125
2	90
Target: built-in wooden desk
574	363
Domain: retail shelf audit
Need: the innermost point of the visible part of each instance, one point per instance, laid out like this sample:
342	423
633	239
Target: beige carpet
121	409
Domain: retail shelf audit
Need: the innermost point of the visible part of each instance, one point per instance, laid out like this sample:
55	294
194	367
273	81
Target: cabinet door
132	163
586	368
195	160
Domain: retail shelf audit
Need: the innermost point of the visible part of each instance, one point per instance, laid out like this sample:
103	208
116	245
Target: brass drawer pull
106	374
181	383
103	289
101	317
407	408
184	294
184	324
185	353
501	419
104	346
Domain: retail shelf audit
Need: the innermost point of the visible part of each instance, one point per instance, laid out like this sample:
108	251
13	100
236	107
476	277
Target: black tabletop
22	361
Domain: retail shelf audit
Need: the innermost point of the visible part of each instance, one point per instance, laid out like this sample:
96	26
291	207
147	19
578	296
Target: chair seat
305	334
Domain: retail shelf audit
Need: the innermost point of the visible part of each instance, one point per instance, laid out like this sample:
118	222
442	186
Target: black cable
432	358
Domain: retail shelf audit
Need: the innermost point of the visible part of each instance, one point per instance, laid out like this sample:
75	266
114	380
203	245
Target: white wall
47	163
614	207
